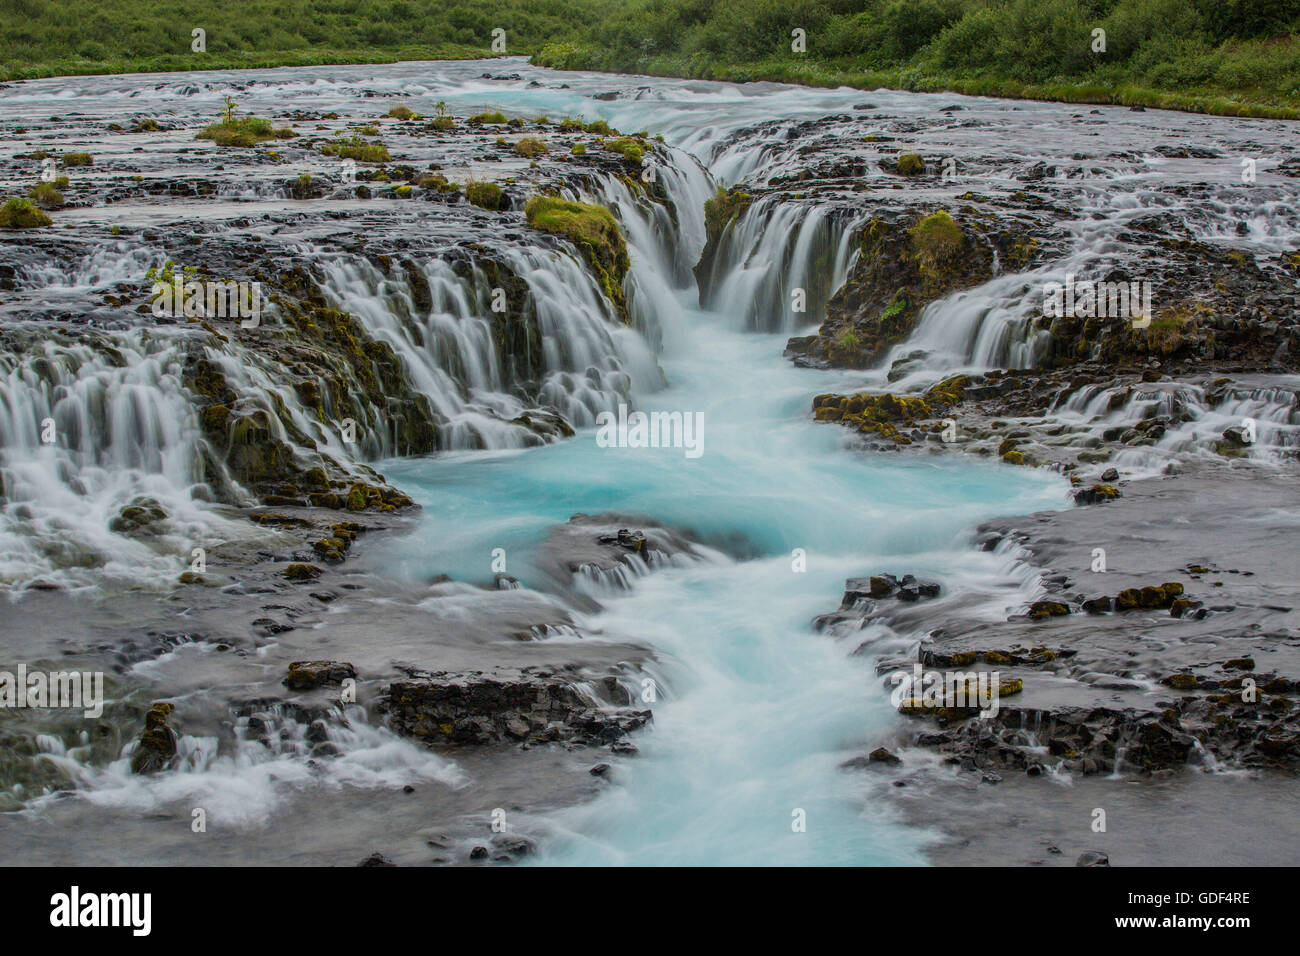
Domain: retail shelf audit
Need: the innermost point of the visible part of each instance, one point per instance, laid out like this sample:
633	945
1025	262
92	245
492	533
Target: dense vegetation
58	37
1231	56
1222	55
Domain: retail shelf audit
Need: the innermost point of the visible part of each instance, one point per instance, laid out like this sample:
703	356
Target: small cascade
773	251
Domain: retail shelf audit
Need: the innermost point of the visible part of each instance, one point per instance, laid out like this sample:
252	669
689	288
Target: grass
484	195
47	195
21	214
236	131
531	146
488	119
354	147
78	159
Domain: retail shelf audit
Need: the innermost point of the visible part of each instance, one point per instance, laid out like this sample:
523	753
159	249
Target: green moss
488	119
438	183
21	214
578	149
909	164
594	231
78	159
1014	458
630	149
484	195
937	241
722	210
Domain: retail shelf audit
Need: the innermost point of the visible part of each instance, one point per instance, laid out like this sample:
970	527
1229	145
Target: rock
1092	858
1041	609
1099	605
478	853
302	572
157	748
477	709
1096	494
1236	435
376	859
599	770
1110	474
881	755
304	675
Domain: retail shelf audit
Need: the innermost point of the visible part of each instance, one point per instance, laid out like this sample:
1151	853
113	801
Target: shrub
488	119
630	149
400	113
78	159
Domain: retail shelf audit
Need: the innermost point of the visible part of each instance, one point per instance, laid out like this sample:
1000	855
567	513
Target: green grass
21	214
354	147
484	195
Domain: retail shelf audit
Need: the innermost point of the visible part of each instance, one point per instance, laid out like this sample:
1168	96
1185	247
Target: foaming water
755	711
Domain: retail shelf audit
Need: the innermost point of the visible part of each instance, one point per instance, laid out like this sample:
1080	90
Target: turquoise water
756	710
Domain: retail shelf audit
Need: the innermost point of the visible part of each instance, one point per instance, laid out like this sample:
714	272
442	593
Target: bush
78	159
400	113
488	119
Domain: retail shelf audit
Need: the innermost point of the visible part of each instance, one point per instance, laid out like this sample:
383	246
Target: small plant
531	146
484	195
578	149
354	147
599	128
400	113
847	341
488	119
443	119
146	126
438	183
78	159
909	164
240	131
47	195
21	214
630	149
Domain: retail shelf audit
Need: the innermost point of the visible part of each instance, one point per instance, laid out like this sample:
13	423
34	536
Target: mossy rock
1041	609
22	214
302	572
909	164
1014	457
595	232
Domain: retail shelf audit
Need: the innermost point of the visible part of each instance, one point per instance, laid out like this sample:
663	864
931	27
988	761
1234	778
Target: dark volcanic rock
476	709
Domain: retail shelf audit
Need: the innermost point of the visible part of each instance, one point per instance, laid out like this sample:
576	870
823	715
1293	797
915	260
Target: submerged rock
157	748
